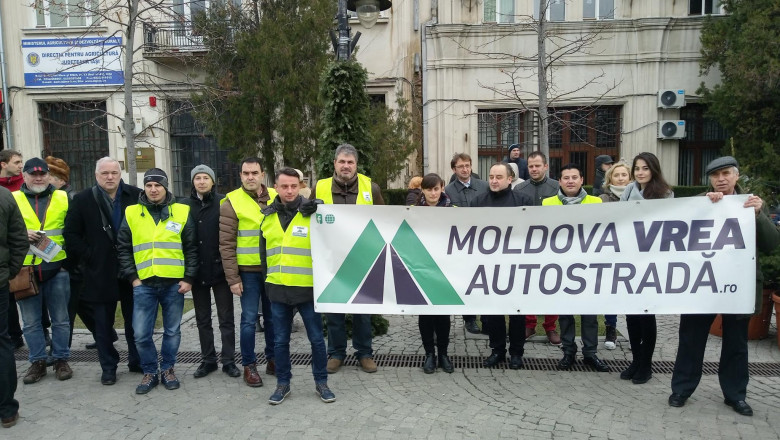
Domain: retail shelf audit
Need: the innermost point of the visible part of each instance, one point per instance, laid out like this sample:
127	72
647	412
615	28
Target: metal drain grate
762	369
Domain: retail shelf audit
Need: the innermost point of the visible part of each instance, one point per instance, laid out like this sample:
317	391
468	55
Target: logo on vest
417	278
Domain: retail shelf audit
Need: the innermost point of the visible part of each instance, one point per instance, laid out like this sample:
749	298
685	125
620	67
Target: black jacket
205	213
522	167
13	237
504	198
189	243
93	245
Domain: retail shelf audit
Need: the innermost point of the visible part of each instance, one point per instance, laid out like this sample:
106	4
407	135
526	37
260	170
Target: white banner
671	256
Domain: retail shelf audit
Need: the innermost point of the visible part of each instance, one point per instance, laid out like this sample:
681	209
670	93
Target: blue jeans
337	336
56	293
610	320
282	321
145	302
254	292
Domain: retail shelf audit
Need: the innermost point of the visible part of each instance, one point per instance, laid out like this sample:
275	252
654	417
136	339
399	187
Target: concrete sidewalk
403	402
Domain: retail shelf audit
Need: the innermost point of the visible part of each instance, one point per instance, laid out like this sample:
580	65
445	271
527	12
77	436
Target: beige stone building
452	59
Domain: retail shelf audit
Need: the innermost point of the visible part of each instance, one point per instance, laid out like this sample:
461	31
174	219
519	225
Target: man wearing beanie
204	210
44	209
158	254
91	227
513	156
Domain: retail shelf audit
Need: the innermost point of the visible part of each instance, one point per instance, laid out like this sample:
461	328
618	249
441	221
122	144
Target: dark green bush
379	325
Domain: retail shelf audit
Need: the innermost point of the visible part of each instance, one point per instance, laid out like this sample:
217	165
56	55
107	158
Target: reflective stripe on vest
55	221
324	191
554	200
157	248
249	218
288	253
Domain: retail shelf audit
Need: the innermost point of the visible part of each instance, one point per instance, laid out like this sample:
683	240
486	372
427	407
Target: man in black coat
513	156
91	228
501	195
204	209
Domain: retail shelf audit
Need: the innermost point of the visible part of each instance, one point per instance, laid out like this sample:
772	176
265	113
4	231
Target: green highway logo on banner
363	271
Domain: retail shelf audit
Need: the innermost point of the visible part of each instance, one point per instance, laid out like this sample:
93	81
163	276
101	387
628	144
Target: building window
578	135
76	132
598	9
64	13
704	141
192	145
498	129
499	11
556	10
704	7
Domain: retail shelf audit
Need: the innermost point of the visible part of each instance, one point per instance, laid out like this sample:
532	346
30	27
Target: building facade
468	67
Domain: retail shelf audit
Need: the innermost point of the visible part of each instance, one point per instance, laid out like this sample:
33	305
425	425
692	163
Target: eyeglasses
463	166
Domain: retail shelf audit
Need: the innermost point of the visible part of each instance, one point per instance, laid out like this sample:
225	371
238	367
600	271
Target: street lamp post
367	12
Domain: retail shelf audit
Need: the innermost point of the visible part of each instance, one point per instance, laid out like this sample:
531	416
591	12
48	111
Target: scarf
576	200
617	190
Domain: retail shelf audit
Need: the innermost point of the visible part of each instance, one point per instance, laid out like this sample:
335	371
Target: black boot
430	363
445	364
629	372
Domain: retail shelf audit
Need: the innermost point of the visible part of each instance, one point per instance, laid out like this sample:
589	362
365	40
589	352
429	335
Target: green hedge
398	196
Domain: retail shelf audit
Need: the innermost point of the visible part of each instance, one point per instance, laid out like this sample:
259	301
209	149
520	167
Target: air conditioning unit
674	129
671	98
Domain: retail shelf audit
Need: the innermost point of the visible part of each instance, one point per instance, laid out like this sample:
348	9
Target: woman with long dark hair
648	183
434	329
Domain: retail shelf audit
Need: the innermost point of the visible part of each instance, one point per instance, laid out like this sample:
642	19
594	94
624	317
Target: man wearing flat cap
44	209
733	369
158	254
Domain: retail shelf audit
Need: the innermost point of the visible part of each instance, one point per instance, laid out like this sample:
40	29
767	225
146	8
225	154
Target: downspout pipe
9	142
434	20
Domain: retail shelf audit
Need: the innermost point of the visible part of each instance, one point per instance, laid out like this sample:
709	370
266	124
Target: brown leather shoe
62	370
36	372
10	421
270	368
529	331
252	377
334	365
368	365
554	338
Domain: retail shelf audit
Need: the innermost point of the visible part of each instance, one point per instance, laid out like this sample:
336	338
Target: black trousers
223	298
104	314
14	327
642	334
8	405
438	326
496	325
78	307
733	370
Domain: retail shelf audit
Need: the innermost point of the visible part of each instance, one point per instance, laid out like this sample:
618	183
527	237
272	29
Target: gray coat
461	196
538	191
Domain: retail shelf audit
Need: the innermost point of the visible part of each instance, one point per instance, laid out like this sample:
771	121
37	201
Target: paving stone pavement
402	402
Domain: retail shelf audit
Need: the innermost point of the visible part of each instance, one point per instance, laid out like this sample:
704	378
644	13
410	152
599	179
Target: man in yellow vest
44	210
158	254
286	247
347	187
239	245
571	193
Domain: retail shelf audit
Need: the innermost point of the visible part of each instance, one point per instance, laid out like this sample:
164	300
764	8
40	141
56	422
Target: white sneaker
609	345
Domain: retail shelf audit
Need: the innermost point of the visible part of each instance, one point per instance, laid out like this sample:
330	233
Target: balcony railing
166	38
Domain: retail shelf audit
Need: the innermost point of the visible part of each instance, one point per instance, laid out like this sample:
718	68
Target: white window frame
717	9
547	12
502	16
43	16
597	8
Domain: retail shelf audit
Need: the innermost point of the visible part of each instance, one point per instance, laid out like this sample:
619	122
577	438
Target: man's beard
37	189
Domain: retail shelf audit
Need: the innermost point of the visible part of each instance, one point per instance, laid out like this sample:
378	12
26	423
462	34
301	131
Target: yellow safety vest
55	221
324	190
288	253
554	200
157	248
249	219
